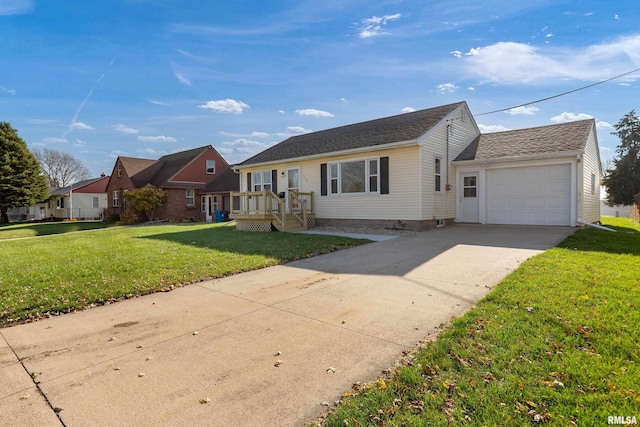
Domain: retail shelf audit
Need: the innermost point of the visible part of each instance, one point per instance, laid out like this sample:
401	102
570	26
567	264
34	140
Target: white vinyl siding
441	205
590	166
401	202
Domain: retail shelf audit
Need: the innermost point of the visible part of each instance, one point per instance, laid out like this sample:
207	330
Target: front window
438	174
95	202
261	180
354	177
211	167
60	202
190	197
116	199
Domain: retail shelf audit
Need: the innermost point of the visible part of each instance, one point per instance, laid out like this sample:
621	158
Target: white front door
468	198
206	208
293	184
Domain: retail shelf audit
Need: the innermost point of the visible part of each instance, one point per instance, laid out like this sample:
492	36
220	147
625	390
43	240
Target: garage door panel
535	195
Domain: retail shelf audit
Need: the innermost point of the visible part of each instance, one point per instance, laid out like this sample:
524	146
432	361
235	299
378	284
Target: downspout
599	227
579	189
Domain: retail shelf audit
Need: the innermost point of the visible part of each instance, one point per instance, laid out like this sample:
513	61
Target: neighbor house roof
403	127
159	172
543	140
226	181
93	185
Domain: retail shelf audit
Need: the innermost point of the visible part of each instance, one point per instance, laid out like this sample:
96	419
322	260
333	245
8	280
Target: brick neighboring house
182	175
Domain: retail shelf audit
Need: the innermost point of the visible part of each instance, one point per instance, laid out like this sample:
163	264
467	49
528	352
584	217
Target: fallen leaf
195	333
25	397
141	374
326	404
205	400
331	369
112	339
278	353
277	363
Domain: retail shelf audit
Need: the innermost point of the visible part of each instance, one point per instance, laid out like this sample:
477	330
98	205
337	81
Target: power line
560	94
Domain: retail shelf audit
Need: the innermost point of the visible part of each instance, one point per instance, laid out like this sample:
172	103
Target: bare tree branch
60	169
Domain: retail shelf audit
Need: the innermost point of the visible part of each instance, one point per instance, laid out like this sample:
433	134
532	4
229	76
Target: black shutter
323	179
384	175
249	181
274	180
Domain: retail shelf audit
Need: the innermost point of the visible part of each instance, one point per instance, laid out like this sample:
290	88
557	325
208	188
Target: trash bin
219	216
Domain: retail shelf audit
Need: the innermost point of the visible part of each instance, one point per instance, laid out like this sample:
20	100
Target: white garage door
536	195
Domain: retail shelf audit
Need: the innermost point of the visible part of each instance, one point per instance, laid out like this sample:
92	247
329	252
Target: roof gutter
519	158
367	149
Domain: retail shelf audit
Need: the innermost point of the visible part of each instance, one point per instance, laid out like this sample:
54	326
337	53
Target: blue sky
144	78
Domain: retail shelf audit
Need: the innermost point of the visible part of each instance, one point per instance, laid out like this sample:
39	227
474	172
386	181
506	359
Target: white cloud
281	111
294	130
7	90
602	124
182	79
162	103
525	110
125	129
313	112
54	139
80	143
253	134
570	117
491	128
446	88
344	100
225	106
549	35
115	153
151	152
81	126
518	63
15	7
616	16
407	110
471	88
160	138
372	27
456	53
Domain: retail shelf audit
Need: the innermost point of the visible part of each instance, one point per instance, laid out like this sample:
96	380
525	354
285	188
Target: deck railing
267	204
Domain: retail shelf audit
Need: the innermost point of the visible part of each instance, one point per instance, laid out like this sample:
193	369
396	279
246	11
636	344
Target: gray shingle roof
403	127
564	137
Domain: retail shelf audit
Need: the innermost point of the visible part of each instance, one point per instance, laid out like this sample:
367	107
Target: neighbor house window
211	167
60	202
437	166
95	202
191	200
116	199
593	183
203	204
119	170
261	180
354	177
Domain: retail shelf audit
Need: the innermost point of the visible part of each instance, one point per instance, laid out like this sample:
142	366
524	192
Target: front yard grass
32	229
59	273
556	343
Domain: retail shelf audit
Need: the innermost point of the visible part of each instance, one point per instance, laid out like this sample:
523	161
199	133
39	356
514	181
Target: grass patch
61	273
556	343
33	229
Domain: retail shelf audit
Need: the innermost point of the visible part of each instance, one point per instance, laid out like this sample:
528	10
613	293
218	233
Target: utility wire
560	94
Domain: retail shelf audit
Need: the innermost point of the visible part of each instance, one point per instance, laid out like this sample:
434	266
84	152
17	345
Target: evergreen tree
623	179
21	180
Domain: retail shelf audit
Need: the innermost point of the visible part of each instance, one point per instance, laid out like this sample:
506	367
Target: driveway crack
32	375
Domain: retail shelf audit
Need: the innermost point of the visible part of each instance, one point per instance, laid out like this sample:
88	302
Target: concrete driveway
327	322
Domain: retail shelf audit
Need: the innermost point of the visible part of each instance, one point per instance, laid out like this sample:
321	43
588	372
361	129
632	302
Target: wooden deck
264	210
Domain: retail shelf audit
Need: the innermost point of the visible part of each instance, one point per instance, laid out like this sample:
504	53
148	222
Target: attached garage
548	175
535	195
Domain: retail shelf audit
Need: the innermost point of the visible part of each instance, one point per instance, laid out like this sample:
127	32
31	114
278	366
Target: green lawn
556	343
64	272
32	229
